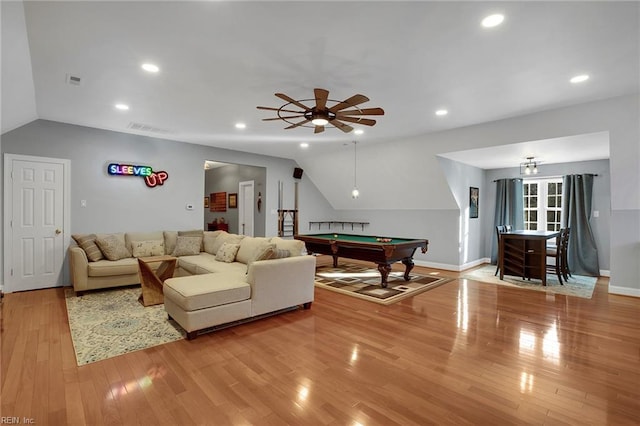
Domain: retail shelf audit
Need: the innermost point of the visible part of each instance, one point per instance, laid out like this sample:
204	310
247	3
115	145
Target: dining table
523	253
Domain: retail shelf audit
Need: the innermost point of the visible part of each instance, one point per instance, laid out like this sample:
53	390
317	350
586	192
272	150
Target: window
542	204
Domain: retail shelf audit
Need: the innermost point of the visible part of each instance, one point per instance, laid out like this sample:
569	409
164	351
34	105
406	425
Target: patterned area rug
112	322
579	286
363	282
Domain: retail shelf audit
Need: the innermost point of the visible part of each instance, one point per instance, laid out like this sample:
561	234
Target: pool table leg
409	266
384	269
335	261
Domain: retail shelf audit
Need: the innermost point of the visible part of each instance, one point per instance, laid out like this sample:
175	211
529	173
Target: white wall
118	204
18	92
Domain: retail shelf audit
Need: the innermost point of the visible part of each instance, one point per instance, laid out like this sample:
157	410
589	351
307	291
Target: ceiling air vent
146	128
74	80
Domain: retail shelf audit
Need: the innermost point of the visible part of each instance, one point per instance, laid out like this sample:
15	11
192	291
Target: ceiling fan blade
352	101
344	127
278	109
359	120
319	129
321	98
283	118
366	111
297	124
293	101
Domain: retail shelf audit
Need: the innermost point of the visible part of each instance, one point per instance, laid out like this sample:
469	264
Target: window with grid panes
542	204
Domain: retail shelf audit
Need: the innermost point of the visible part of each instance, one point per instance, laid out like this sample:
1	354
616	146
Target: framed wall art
233	201
474	202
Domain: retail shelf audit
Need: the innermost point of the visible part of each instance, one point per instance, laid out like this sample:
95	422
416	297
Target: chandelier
529	167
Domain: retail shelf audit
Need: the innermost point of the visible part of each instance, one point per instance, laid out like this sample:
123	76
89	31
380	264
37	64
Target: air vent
74	80
146	128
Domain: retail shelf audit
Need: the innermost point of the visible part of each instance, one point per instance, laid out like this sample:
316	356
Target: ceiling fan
321	114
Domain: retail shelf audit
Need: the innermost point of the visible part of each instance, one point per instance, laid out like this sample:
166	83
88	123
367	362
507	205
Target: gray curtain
509	209
582	255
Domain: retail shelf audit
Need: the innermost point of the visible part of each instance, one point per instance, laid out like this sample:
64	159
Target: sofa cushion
209	240
170	240
295	247
194	233
87	243
249	246
206	263
187	246
204	291
227	252
147	248
113	246
107	268
225	237
131	237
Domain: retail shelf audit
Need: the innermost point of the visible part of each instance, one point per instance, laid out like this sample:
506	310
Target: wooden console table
524	254
151	281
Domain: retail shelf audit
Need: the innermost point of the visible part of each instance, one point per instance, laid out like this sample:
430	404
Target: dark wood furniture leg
384	269
408	263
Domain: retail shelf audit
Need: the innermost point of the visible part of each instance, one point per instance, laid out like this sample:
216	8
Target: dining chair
559	255
499	230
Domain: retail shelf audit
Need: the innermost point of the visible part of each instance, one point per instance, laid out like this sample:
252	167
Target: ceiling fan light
355	193
320	121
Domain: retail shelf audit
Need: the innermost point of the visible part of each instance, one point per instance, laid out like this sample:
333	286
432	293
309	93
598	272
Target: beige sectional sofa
220	277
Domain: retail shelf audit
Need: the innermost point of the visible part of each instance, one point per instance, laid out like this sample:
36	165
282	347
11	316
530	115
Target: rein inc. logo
151	178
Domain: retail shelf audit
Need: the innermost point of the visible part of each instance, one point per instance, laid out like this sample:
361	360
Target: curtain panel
509	209
582	254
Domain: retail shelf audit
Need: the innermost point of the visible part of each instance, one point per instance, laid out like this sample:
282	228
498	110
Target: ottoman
198	302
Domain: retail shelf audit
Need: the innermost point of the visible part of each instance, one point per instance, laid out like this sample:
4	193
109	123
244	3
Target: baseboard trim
449	267
605	273
624	291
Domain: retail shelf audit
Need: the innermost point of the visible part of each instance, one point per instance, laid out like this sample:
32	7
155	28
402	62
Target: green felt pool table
366	247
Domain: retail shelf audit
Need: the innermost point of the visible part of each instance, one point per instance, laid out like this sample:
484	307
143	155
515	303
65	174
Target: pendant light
355	193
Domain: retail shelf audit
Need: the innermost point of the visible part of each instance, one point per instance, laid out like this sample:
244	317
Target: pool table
382	250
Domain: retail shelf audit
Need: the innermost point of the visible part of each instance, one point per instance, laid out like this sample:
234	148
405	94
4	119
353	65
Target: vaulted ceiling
219	60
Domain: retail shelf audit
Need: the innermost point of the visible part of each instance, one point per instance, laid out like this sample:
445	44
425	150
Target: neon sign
151	178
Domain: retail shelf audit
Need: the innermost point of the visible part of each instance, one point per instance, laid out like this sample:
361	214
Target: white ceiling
219	60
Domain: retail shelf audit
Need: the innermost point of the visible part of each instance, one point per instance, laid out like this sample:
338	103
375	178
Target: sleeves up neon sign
151	178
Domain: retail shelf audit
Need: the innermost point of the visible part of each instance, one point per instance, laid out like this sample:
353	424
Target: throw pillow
147	248
187	246
88	244
227	252
280	254
194	233
264	252
113	247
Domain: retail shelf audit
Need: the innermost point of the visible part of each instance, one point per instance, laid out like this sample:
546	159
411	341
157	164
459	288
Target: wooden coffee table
151	281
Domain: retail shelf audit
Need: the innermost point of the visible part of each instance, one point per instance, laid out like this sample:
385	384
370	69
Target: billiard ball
335	235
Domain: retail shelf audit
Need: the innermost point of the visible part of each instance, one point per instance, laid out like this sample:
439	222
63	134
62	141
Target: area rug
363	282
112	322
579	286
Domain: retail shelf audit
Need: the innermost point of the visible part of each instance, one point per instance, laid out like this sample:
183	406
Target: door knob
58	232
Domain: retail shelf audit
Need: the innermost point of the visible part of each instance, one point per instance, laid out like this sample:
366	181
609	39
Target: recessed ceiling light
241	126
579	78
150	67
442	112
304	145
122	107
358	131
492	20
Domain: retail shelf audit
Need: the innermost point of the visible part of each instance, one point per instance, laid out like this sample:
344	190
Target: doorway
245	208
37	223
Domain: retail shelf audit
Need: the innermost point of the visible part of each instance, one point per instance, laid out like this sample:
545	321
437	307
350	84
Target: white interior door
35	222
245	208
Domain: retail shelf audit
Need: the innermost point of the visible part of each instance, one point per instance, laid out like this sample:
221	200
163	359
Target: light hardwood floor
462	353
